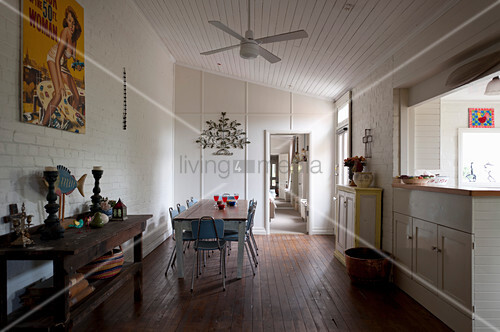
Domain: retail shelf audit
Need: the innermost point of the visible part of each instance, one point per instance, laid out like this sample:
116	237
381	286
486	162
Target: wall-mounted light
493	87
367	141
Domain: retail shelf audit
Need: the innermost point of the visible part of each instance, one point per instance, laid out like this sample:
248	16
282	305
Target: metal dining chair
187	237
189	203
209	235
248	245
181	208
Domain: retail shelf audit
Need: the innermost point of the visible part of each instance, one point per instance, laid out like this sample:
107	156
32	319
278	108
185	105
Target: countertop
455	190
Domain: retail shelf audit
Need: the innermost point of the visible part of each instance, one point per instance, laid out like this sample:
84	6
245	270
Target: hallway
287	220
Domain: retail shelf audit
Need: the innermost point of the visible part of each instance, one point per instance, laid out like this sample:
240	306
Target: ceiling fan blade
268	55
220	49
282	37
226	29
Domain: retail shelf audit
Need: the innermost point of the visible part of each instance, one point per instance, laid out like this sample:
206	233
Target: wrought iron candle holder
96	198
52	229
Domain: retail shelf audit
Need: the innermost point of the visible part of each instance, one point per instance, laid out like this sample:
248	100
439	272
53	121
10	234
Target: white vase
363	179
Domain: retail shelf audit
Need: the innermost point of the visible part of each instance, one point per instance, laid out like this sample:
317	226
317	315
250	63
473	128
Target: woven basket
104	267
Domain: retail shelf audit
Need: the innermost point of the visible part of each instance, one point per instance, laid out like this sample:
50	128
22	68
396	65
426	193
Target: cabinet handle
409	237
345	204
439	250
434	248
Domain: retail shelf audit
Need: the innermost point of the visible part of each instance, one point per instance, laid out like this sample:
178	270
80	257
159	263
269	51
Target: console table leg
138	274
62	301
3	291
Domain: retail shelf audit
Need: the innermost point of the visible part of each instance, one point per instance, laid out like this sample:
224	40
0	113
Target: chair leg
192	273
249	242
223	255
254	243
170	260
229	246
249	259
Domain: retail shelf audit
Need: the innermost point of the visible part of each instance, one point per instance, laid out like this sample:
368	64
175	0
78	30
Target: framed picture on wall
53	65
481	118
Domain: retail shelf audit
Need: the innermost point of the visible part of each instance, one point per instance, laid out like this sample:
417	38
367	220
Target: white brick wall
137	162
372	107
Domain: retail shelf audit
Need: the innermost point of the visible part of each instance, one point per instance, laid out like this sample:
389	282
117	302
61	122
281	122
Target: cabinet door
350	209
403	234
425	253
341	223
455	265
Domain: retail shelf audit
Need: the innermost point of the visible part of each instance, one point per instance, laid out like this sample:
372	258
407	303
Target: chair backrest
194	200
189	203
181	208
173	214
251	215
208	228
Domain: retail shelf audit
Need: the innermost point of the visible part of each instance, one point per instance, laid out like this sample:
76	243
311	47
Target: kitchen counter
455	190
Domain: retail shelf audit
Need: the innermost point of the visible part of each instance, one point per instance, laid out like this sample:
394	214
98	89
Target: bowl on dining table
221	206
231	203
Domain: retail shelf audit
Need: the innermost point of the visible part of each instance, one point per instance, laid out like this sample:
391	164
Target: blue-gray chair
181	208
233	237
186	238
209	235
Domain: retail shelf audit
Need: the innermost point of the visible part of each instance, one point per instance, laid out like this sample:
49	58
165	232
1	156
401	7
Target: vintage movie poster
53	64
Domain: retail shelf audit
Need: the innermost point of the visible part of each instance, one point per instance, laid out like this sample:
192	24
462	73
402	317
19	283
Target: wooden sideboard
77	248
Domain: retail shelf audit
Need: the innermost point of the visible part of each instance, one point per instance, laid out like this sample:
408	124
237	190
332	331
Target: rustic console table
77	248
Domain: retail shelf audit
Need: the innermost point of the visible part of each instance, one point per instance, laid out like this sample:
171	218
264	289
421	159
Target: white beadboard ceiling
347	39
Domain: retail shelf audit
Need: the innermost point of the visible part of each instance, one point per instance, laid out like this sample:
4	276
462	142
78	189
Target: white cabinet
345	222
437	257
358	224
455	265
403	242
433	260
424	253
303	185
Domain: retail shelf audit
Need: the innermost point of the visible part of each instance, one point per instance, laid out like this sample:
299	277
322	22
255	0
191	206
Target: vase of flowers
355	164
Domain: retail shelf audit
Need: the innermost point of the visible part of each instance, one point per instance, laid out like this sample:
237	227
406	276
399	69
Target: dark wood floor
299	286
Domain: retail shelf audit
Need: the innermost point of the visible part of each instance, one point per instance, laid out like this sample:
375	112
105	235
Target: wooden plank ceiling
347	40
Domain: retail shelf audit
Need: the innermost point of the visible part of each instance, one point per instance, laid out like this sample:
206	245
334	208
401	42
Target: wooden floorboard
298	286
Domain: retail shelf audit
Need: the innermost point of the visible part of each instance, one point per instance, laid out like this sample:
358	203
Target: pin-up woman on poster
57	58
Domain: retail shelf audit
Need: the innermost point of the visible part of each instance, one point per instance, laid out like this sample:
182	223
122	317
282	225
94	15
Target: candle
51	169
97	168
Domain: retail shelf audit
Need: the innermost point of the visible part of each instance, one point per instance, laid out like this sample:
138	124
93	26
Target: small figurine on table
22	225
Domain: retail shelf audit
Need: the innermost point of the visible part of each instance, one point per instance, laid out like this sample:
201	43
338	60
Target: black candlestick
96	198
52	229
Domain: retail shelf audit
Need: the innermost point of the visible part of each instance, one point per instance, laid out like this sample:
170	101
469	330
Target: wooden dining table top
206	207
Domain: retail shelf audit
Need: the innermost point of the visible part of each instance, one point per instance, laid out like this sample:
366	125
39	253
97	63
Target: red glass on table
216	198
236	196
224	198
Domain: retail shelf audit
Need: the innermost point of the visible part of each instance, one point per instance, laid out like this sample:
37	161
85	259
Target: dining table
234	217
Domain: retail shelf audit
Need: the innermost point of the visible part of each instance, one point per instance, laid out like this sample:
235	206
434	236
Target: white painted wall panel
264	100
307	104
321	176
486	227
427	136
187	90
222	94
224	173
187	163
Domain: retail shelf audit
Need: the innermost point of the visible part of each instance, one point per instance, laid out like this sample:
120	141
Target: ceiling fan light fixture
249	50
493	87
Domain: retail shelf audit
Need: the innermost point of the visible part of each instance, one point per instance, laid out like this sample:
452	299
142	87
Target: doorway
287	183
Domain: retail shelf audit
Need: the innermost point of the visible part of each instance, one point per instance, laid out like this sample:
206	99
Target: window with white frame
343	136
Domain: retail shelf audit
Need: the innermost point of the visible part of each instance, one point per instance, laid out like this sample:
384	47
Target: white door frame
267	151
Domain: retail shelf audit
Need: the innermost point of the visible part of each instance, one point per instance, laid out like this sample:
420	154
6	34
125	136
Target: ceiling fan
250	48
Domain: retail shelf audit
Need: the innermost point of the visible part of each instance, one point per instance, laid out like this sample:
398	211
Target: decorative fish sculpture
66	183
